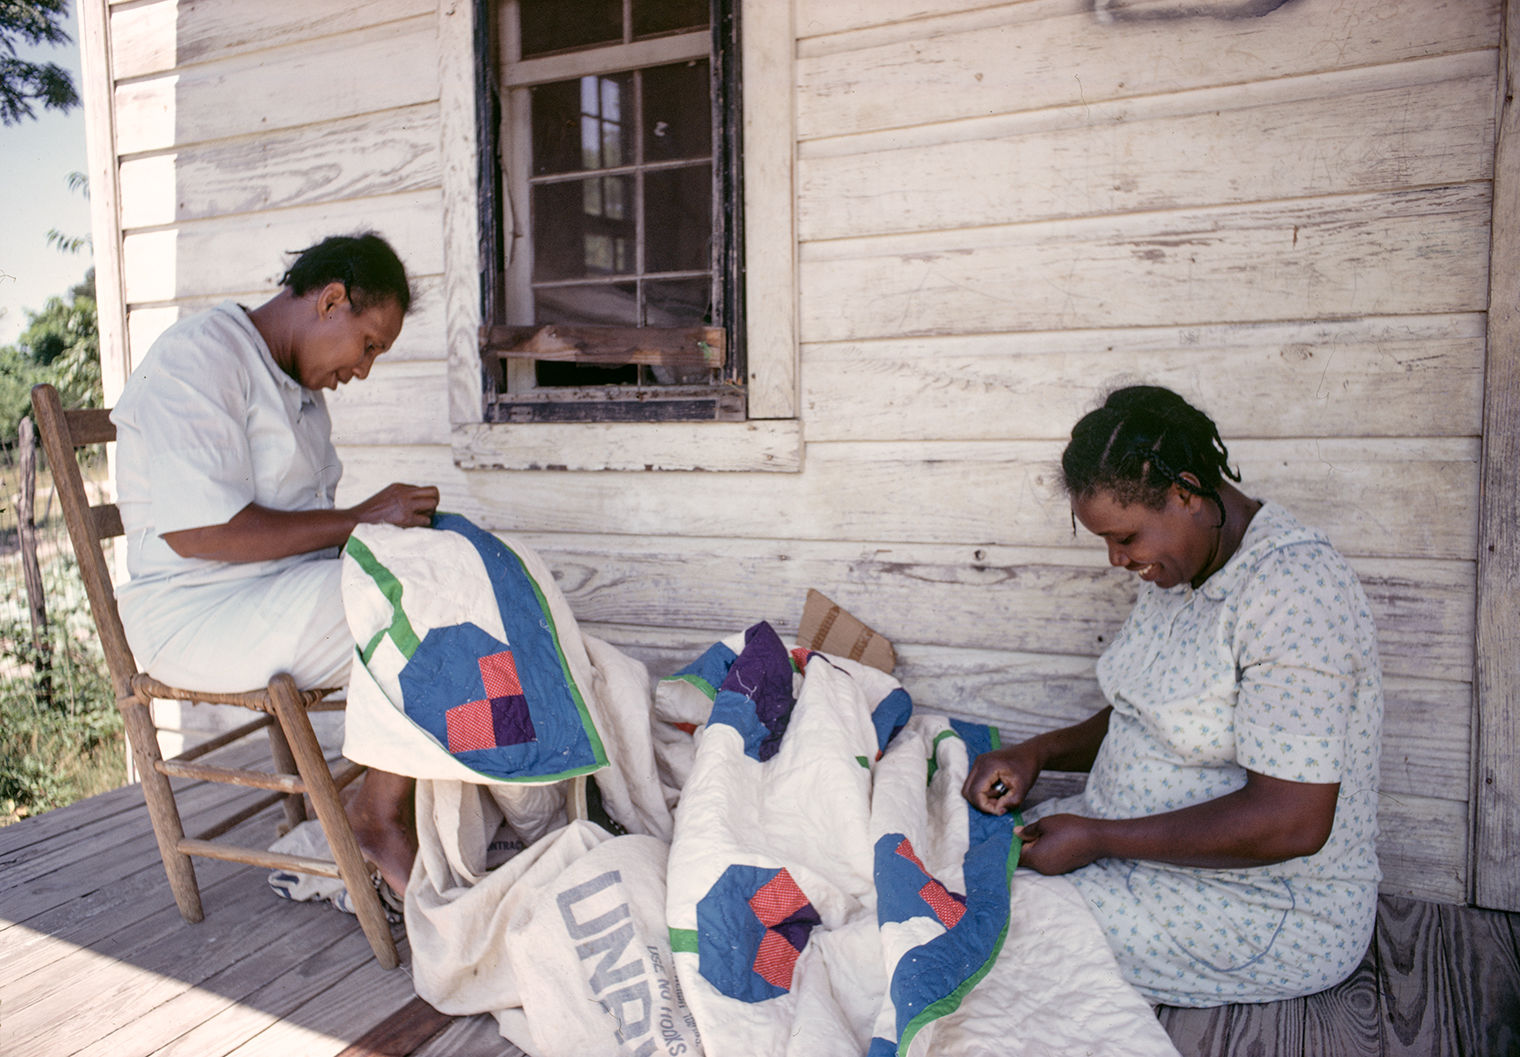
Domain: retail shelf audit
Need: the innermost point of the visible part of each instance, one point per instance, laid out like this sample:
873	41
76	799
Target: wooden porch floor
95	960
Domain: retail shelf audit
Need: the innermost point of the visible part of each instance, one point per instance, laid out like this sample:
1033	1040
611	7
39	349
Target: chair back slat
90	425
55	427
107	518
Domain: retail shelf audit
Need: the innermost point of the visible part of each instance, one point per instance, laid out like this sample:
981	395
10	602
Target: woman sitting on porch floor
227	473
1225	838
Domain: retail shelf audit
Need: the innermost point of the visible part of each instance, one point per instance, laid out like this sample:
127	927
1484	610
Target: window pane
677	114
557	25
667	16
605	304
678	219
583	228
580	124
677	302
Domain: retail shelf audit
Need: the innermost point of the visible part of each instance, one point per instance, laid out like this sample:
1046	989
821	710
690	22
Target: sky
36	158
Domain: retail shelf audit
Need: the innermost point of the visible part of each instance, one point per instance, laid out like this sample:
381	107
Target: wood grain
1257	141
294	84
1054	53
1497	767
1395	376
1352	255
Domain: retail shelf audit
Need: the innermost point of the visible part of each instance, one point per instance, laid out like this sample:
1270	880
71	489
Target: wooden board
1393	376
156	37
1052	53
294	84
1419	123
1351	255
229	255
1413	983
1497	831
1484	964
391	152
970	493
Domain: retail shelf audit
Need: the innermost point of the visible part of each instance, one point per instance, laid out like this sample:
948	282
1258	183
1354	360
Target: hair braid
1140	443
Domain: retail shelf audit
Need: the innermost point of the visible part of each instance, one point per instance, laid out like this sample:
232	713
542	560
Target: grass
61	735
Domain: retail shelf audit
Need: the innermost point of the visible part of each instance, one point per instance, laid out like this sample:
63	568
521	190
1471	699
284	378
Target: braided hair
364	263
1140	443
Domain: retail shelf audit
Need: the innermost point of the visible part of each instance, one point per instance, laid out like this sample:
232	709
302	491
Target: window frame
771	437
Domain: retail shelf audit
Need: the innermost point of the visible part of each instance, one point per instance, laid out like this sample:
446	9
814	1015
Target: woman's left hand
1058	844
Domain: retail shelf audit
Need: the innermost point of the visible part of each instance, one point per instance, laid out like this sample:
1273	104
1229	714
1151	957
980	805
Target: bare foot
381	812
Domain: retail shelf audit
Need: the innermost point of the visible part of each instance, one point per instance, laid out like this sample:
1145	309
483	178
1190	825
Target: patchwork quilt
789	869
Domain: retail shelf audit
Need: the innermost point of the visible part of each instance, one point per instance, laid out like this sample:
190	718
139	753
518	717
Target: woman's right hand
407	505
999	780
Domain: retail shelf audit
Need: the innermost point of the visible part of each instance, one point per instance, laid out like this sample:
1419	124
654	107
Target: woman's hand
999	780
1058	844
407	505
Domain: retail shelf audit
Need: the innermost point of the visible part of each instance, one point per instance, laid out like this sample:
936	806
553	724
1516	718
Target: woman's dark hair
364	263
1140	443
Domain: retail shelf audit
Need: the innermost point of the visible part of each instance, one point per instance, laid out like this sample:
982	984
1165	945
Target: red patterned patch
948	910
778	899
499	673
470	727
905	849
776	960
800	655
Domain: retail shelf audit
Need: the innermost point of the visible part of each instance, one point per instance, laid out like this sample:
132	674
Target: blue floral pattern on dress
1270	666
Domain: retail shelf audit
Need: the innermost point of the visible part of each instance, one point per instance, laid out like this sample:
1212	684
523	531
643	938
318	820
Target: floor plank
96	962
234	1026
476	1036
1484	971
1412	958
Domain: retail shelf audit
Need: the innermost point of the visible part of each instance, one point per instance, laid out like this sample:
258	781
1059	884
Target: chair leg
284	759
340	835
167	827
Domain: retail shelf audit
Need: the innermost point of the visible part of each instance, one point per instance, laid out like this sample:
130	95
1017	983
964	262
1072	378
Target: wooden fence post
26	528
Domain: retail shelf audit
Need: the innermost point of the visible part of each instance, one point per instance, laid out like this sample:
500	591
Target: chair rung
347	773
195	752
205	772
240	816
269	860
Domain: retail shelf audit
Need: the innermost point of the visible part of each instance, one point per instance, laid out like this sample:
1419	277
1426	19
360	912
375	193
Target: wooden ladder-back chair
300	767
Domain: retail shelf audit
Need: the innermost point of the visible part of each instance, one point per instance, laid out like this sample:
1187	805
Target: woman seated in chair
1225	839
226	476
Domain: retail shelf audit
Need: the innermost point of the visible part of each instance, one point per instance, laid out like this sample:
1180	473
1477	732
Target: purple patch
763	673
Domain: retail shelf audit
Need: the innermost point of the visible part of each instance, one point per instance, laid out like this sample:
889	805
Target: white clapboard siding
1422	838
1031	600
1352	255
407	398
1295	138
376	68
228	255
1394	376
817	18
1358	491
390	152
1010	59
421	337
159	35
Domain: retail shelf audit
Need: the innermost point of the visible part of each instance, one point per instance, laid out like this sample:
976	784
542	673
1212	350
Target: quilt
786	864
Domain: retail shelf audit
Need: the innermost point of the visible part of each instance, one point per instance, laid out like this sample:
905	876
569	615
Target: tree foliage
23	82
61	344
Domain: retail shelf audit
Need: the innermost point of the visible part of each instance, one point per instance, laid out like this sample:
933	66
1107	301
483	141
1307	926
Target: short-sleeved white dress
207	424
1270	666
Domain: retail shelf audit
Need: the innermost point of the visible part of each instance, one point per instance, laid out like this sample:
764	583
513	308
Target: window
613	295
759	316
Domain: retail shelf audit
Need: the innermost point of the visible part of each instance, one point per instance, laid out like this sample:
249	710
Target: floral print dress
1270	666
